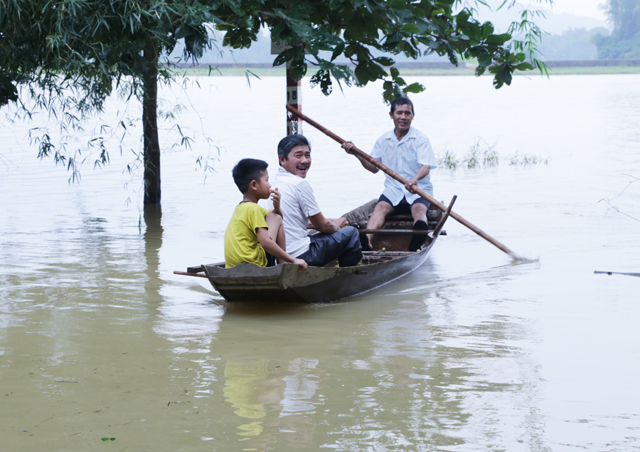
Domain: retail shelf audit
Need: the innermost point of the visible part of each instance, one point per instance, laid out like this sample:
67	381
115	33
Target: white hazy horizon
583	8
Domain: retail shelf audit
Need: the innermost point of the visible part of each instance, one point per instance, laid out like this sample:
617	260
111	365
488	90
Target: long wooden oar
404	181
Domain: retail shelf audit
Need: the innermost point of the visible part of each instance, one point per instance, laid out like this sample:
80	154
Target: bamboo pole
404	181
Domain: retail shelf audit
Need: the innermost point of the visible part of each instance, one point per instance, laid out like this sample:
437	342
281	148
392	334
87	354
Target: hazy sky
588	8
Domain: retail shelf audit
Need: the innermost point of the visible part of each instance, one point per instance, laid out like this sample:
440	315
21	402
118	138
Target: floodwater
102	346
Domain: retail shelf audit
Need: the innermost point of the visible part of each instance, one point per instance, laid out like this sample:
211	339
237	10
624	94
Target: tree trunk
150	125
152	246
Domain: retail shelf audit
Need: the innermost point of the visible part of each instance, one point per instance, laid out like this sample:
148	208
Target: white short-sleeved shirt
405	157
297	203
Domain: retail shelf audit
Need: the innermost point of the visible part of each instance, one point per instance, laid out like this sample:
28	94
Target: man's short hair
290	142
247	170
402	101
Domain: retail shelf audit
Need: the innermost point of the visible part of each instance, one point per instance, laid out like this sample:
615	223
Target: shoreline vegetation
587	67
481	155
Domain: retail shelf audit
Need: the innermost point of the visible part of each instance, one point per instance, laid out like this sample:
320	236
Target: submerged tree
71	54
624	41
77	52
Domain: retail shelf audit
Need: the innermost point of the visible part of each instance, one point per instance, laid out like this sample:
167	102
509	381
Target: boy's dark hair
290	142
247	170
402	101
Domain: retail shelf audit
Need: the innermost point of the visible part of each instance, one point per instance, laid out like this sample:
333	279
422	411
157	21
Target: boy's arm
272	248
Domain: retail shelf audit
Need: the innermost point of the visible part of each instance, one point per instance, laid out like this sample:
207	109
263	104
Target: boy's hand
303	265
275	199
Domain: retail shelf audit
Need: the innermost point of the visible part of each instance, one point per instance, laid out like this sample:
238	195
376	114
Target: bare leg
419	212
276	231
380	213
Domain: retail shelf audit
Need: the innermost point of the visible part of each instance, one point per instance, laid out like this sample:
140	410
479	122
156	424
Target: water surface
99	340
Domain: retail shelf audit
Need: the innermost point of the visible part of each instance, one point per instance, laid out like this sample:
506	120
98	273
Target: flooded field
101	346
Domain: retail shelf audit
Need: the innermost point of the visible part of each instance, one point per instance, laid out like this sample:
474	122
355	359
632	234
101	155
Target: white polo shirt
297	203
405	157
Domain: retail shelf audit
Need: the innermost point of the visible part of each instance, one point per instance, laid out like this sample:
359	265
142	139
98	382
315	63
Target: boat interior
388	243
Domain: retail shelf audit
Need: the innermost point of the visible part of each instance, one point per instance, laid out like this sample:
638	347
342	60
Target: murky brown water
99	340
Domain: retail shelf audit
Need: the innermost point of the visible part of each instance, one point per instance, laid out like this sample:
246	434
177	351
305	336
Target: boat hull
284	283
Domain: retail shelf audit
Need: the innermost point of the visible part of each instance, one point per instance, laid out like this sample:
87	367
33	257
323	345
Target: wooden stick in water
615	273
404	181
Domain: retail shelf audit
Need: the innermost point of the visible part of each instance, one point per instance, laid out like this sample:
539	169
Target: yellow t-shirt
241	241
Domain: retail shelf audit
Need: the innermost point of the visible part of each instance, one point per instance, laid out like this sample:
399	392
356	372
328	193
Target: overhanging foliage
72	54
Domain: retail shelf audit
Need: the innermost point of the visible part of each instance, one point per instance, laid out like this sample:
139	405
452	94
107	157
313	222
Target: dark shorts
403	206
271	260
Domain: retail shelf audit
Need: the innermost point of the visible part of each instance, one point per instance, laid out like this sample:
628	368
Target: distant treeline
573	44
624	41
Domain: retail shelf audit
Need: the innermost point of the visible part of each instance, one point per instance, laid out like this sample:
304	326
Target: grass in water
481	154
448	160
526	159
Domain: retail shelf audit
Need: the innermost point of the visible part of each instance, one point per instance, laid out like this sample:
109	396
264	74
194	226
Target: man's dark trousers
343	245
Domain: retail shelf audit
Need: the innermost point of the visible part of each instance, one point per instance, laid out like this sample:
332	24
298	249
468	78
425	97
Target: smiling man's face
298	161
402	117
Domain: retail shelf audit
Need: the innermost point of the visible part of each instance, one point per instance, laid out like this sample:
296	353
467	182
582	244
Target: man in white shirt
336	240
408	152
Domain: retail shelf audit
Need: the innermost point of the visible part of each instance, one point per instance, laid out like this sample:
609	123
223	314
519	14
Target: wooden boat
388	261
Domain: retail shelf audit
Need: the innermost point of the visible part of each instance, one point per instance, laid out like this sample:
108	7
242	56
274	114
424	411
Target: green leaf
337	51
284	57
391	92
435	45
462	17
385	61
524	67
398	4
485	61
410	28
399	81
498	39
391	40
487	30
502	75
322	78
414	88
298	71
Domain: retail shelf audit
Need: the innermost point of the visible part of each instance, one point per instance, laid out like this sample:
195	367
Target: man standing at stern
337	240
408	152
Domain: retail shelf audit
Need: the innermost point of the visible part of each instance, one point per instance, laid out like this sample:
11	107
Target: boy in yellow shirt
254	234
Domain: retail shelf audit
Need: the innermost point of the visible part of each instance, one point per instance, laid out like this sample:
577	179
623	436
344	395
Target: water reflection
412	372
270	403
241	389
152	246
